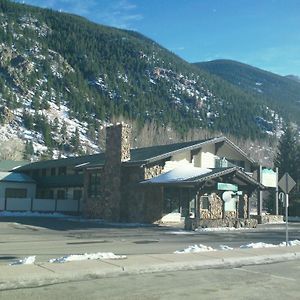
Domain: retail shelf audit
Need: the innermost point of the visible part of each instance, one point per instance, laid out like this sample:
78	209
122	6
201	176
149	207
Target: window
16	193
238	163
44	172
53	171
94	186
61	194
77	194
204	202
62	171
44	194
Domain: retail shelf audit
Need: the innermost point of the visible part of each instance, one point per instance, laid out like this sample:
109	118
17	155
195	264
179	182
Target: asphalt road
49	238
274	281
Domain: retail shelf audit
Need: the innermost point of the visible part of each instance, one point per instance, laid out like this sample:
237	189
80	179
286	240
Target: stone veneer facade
107	204
122	197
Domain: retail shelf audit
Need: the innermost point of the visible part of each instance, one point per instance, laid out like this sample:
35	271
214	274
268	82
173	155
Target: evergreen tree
28	151
287	160
75	141
287	155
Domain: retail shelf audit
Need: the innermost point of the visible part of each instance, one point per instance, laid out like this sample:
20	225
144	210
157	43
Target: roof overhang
199	145
231	175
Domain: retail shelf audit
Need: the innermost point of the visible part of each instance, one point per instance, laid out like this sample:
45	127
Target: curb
115	269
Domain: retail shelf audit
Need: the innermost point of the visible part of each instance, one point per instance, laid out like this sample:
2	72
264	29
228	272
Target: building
148	184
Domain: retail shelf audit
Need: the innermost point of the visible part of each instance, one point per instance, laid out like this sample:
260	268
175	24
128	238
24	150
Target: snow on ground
202	248
225	247
87	256
180	232
195	249
258	245
221	229
25	261
290	243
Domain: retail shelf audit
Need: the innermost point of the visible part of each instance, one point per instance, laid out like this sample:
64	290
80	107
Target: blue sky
262	33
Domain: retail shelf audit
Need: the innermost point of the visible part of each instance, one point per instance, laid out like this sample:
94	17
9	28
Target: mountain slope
274	89
62	77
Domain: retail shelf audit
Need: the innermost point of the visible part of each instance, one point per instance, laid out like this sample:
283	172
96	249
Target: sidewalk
39	274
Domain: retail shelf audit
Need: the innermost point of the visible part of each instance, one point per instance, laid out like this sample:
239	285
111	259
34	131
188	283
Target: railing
40	205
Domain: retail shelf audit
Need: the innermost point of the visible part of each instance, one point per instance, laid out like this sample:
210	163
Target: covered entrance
209	197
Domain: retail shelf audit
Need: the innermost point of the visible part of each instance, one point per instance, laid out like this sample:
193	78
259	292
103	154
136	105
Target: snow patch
221	229
195	249
265	245
258	245
225	247
182	173
25	261
87	256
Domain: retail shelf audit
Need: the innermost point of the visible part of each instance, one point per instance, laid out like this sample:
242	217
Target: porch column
259	193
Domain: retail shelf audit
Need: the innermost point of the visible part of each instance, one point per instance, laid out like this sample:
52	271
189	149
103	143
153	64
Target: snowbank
25	261
86	256
195	249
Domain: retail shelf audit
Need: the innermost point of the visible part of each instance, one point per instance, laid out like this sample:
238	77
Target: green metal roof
65	162
9	165
15	177
151	153
138	156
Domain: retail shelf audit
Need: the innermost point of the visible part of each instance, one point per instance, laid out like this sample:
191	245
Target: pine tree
28	151
75	141
287	153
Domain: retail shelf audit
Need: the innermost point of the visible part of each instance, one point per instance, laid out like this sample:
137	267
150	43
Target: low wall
40	205
237	223
67	205
18	204
268	219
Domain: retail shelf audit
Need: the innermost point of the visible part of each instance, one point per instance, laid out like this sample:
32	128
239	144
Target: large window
77	194
204	202
62	171
15	193
44	194
53	171
94	186
61	194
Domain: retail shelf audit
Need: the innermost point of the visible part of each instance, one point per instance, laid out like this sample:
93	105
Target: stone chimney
117	151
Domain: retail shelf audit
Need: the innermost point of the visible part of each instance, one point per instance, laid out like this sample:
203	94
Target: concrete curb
38	275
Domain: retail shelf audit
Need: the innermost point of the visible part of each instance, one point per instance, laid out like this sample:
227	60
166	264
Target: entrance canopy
190	176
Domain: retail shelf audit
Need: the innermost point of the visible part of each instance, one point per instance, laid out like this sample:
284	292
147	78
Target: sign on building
221	186
269	178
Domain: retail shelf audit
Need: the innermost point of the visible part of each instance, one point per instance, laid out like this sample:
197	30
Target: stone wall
107	204
132	201
141	203
153	171
237	223
243	207
215	209
265	219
